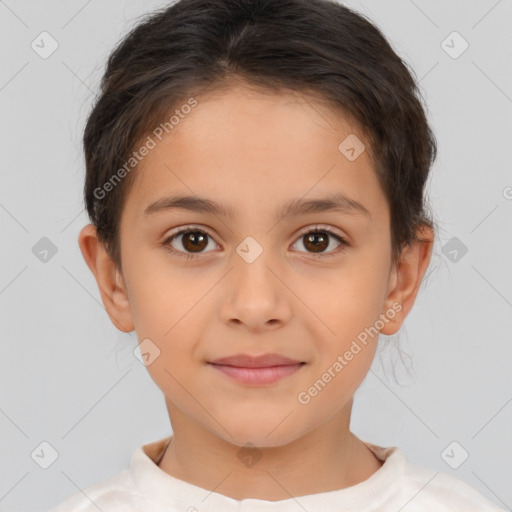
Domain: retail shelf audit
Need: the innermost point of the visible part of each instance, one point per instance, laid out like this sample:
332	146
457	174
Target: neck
326	459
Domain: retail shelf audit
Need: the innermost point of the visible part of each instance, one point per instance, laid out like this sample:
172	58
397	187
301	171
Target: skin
254	151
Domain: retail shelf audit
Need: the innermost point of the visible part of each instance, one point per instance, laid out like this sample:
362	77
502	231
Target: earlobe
406	278
110	282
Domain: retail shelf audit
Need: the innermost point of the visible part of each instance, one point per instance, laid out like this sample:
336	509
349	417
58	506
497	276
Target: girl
255	181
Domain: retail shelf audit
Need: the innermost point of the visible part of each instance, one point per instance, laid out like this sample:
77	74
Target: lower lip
257	376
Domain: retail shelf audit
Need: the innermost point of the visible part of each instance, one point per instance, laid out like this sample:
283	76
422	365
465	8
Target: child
289	140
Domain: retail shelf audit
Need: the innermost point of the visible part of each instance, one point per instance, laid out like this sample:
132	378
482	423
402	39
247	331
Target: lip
257	370
263	361
258	376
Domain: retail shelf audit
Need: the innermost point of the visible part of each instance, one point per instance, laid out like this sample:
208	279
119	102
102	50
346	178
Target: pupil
194	238
314	237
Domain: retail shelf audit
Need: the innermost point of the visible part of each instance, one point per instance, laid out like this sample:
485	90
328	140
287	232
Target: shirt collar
160	488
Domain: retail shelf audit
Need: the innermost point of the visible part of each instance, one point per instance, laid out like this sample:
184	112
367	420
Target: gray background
69	378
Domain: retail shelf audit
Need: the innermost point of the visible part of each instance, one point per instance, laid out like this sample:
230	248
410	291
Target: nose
255	297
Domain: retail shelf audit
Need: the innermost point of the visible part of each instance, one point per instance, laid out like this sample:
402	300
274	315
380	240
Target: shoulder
405	486
116	494
424	488
123	492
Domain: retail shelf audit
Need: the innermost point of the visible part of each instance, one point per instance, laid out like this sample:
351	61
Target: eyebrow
335	202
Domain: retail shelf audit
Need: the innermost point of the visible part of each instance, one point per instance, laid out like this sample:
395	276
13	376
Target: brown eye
188	242
194	241
318	240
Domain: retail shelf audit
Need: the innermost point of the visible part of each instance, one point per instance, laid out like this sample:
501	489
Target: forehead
247	148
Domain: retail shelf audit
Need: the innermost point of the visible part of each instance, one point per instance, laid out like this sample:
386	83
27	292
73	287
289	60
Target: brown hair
316	47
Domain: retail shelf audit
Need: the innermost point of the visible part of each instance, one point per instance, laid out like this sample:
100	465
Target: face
255	278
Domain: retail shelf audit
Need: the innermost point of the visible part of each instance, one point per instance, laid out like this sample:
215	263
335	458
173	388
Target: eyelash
317	229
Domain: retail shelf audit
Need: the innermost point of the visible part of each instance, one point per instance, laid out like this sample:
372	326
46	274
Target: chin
261	435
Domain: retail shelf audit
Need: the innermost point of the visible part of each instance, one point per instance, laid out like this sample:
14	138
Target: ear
405	280
110	280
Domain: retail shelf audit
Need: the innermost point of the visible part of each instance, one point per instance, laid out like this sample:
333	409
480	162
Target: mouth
257	371
262	361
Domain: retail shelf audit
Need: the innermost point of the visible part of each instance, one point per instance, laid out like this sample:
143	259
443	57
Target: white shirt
397	486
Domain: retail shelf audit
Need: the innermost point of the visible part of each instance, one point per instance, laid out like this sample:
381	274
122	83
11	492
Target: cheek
334	385
169	320
161	297
349	298
346	308
344	356
167	308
